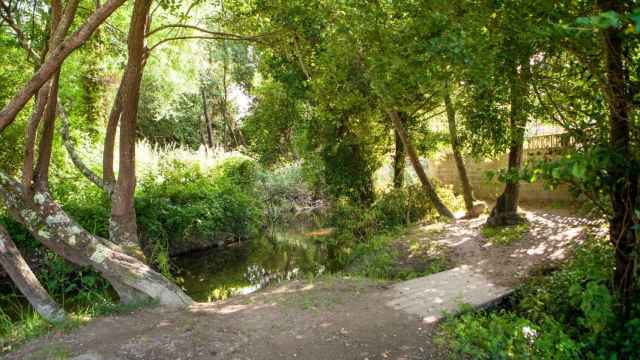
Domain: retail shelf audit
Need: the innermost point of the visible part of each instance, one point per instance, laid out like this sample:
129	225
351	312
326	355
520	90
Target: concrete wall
444	169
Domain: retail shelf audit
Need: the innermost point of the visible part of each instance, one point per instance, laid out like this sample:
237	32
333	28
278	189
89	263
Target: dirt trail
550	238
333	318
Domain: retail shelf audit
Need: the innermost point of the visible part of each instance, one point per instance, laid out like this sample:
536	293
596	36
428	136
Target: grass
28	324
400	254
505	235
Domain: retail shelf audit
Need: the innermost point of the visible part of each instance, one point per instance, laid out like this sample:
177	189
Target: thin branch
73	154
55	60
187	37
30	140
203	30
5	14
593	69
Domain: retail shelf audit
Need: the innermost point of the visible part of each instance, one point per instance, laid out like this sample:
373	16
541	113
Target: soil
327	318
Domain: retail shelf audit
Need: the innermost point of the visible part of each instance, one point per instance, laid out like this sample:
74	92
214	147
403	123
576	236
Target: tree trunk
624	193
45	147
30	139
399	161
415	161
505	212
51	65
22	276
108	175
73	154
122	226
467	191
49	224
46	104
207	119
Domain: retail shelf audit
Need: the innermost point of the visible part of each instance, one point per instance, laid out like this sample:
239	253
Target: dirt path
333	318
550	238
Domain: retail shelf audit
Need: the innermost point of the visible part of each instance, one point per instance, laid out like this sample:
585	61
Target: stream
245	267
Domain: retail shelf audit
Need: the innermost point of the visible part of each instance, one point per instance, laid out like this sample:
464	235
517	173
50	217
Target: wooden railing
553	141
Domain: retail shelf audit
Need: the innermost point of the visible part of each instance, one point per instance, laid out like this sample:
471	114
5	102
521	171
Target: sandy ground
331	318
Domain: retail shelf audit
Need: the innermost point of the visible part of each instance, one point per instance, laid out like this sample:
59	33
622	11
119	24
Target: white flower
529	333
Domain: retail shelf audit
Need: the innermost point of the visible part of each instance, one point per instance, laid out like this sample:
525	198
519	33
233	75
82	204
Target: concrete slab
432	296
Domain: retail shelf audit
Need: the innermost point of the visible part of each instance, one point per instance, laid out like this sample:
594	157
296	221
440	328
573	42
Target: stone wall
444	169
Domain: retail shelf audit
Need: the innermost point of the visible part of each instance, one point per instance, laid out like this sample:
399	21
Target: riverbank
330	317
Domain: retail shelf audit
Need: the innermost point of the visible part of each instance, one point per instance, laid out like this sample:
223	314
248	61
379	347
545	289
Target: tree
596	101
122	226
21	275
44	218
620	94
467	191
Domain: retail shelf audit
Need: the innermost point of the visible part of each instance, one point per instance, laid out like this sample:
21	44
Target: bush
288	197
403	206
192	208
572	311
359	230
504	335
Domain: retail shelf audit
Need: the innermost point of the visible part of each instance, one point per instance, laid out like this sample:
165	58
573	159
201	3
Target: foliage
505	335
569	314
360	232
288	196
270	126
586	171
192	208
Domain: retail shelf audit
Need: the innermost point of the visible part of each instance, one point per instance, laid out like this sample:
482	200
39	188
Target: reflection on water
216	274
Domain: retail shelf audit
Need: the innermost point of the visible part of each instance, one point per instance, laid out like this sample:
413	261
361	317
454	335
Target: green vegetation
364	234
505	235
567	314
19	323
138	135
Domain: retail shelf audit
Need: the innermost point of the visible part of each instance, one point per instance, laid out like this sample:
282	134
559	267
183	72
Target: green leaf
635	16
579	171
603	20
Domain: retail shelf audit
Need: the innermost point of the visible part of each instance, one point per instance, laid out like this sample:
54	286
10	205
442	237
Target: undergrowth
364	240
570	314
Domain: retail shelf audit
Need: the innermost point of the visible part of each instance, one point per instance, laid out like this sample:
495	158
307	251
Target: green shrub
573	311
352	224
283	189
403	206
375	258
359	230
193	208
504	335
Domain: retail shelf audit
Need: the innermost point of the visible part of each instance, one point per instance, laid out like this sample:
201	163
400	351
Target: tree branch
188	37
5	14
55	60
73	154
203	30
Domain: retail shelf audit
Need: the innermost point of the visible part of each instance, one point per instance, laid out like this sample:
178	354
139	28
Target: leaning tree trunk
108	181
624	195
21	275
207	118
49	224
399	161
467	191
123	226
505	212
415	161
45	147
